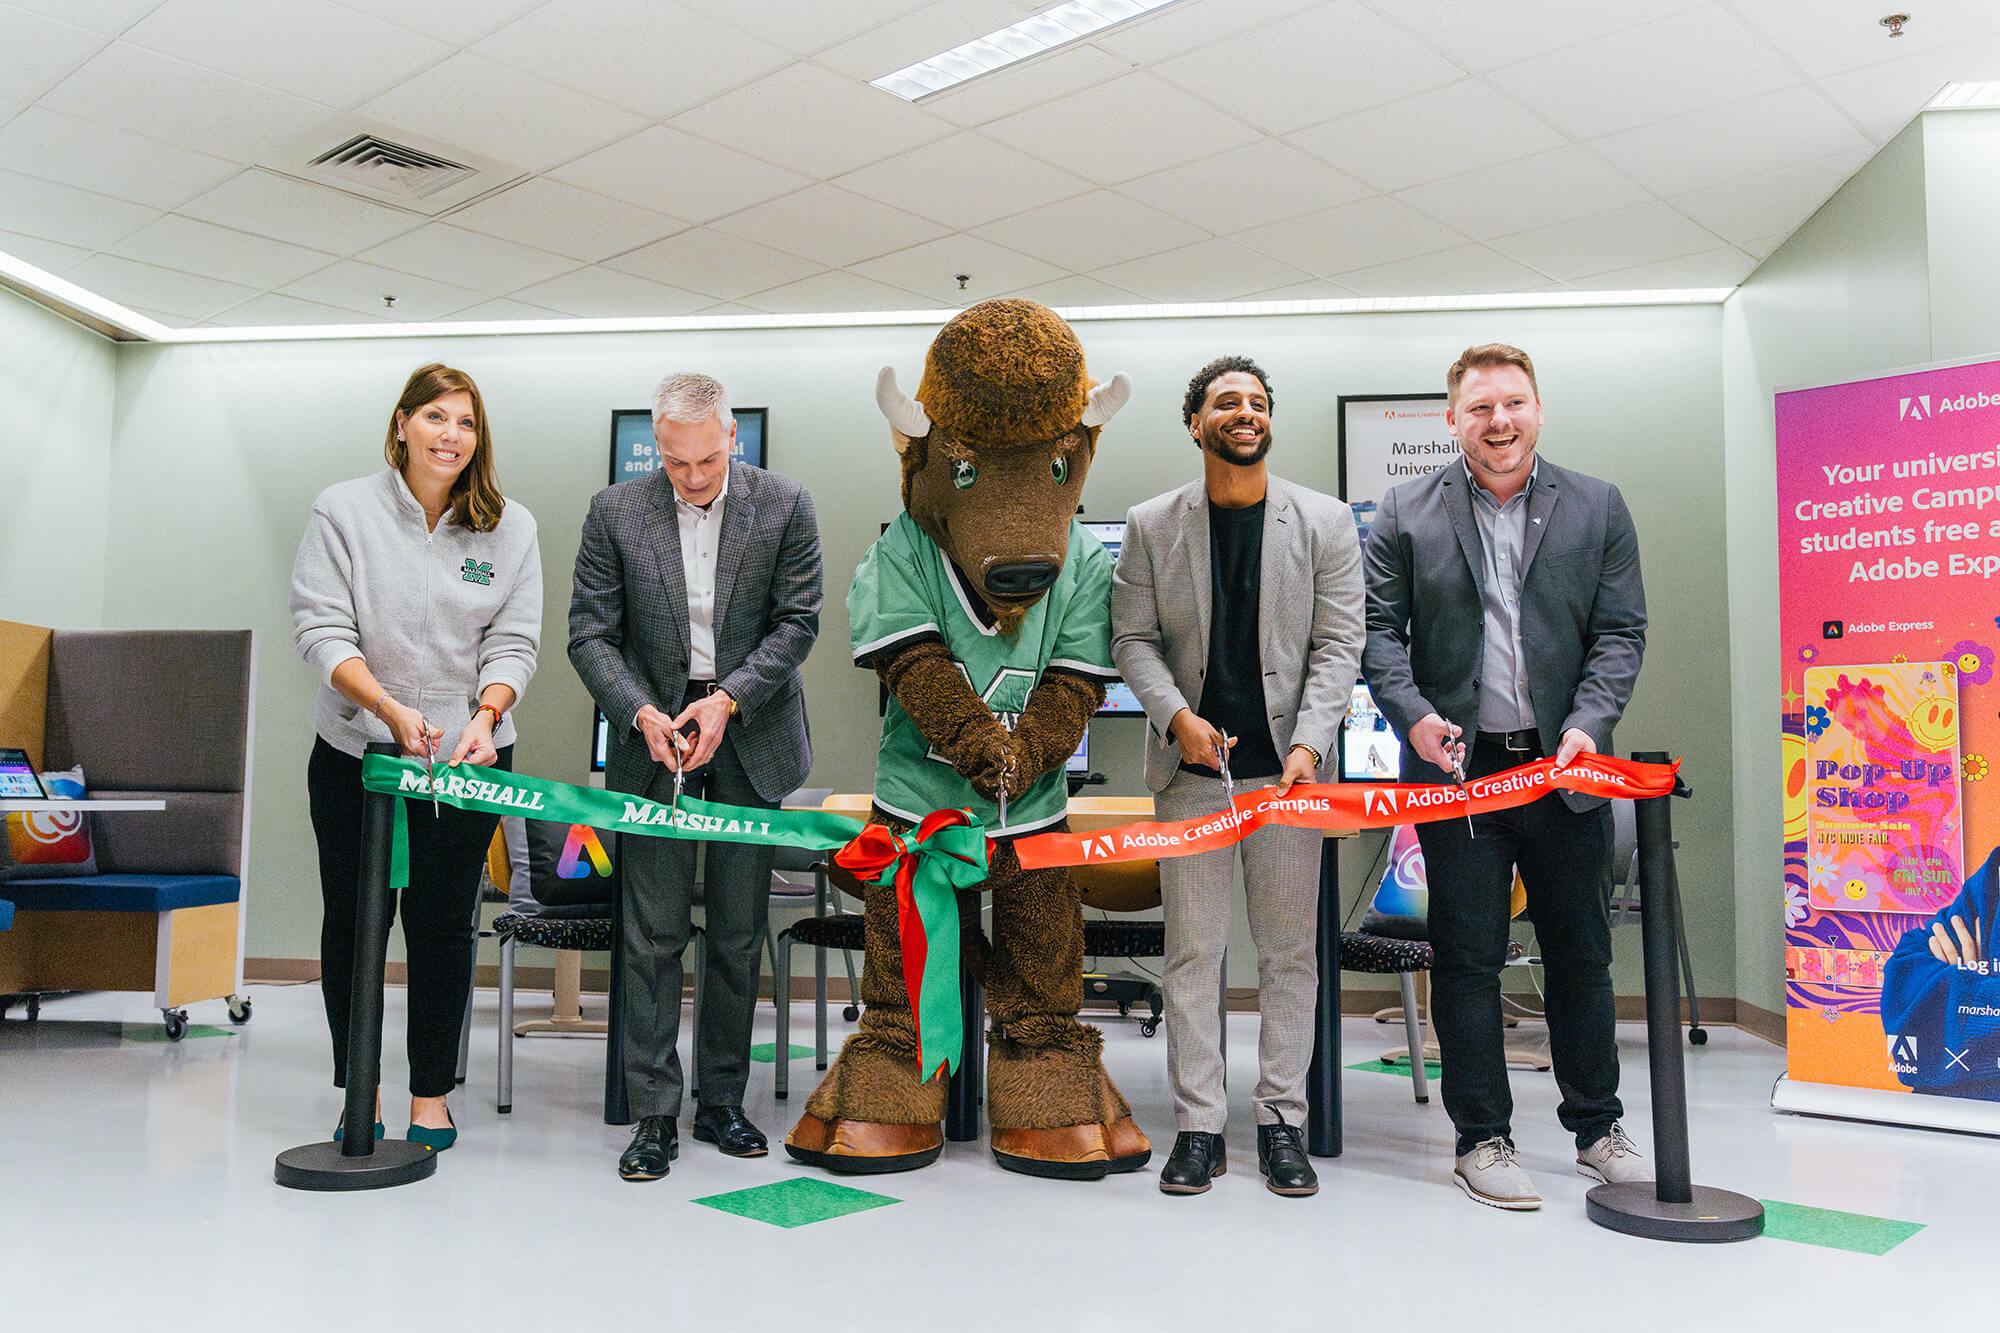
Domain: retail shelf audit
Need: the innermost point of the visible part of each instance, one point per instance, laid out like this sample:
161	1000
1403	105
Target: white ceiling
729	156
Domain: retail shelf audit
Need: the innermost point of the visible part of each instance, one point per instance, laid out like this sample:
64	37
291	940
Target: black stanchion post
358	1162
1671	1207
967	1086
1323	1127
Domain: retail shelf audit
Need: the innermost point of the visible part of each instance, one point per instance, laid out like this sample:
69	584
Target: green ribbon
939	860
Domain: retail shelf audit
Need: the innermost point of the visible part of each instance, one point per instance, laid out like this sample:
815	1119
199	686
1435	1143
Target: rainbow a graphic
581	842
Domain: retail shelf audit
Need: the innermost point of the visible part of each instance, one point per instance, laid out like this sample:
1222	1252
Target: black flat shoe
730	1130
1195	1159
655	1144
1281	1156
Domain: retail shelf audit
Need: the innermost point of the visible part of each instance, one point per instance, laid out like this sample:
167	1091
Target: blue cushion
6	914
123	893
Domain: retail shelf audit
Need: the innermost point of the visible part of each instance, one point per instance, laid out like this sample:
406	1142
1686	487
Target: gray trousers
658	893
1281	892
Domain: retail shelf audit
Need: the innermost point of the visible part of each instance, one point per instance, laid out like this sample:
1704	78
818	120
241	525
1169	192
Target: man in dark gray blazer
1236	620
1504	597
696	599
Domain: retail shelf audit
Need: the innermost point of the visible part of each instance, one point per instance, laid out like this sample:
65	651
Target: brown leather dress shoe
863	1147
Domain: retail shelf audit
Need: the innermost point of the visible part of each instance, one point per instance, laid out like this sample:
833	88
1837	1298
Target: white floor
136	1191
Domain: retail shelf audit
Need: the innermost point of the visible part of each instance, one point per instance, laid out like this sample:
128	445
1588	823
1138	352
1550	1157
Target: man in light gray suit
1504	595
1236	619
696	599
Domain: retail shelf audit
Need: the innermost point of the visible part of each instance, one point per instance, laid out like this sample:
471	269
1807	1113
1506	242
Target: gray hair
691	398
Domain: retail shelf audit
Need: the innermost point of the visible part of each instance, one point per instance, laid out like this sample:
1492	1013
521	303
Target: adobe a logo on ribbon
582	842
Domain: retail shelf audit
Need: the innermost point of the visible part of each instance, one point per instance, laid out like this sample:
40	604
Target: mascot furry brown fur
985	611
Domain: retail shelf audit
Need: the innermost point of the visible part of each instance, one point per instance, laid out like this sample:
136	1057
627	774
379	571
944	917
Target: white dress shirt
701	539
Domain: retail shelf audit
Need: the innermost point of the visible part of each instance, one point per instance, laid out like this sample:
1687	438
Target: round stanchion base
321	1166
1714	1215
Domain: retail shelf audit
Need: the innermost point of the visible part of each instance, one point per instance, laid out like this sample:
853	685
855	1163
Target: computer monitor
600	741
1369	750
1080	761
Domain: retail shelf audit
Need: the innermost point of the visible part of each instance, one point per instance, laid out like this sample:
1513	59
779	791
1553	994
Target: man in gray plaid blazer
696	599
1236	619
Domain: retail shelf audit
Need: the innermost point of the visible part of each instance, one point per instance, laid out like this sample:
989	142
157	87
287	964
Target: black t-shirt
1232	692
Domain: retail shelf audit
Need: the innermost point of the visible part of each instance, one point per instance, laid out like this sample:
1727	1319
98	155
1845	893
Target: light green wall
218	451
55	449
1848	295
1962	213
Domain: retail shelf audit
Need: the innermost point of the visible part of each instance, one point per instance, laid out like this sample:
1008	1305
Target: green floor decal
799	1202
767	1052
1431	1067
158	1031
1835	1230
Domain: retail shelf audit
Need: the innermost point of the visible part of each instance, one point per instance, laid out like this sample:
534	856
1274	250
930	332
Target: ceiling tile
1129	127
274	308
1262	182
810	120
1672	65
1772	204
1764	245
315	216
1090	231
1193	23
109	17
59	213
35	51
353	285
1339	240
1729	143
1211	270
1327	61
679	175
503	308
599	293
549	215
144	92
478	104
310	48
828	293
1481	35
931	268
1724	266
1018	87
110	161
1536	191
1886	97
830	225
964	181
466	259
721	266
456	21
9	109
162	289
809	25
1824	39
1319	289
1425	138
1620	239
1462	271
642	56
52	256
1077	290
217	252
916	35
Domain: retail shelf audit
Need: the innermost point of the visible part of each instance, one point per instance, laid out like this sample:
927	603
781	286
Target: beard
1214	441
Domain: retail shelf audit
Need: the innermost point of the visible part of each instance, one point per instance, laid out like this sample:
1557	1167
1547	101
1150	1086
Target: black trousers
446	854
658	891
1564	858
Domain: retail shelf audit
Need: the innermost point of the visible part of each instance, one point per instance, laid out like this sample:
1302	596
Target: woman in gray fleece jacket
417	596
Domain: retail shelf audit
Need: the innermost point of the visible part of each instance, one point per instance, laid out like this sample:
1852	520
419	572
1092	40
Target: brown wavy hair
1487	356
476	501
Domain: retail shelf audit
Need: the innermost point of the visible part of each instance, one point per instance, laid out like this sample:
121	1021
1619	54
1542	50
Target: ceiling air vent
388	165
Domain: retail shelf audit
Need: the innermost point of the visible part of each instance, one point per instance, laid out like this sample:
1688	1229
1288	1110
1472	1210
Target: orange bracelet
488	708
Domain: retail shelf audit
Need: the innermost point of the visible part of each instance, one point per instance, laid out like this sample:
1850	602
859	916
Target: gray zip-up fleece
437	615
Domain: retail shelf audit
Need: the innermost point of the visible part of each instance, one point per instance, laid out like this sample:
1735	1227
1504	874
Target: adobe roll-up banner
1889	607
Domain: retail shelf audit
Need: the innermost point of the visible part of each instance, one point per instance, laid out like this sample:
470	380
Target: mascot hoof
1073	1152
863	1147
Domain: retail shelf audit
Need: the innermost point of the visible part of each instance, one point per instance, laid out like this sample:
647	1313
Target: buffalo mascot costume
985	611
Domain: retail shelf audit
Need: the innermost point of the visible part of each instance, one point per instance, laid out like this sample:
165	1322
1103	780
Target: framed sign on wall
1387	439
633	453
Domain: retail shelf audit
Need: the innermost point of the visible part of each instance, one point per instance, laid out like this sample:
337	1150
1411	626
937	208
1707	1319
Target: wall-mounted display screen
634	454
1368	748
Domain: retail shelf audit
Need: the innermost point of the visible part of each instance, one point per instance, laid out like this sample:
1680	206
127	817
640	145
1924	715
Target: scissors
1222	767
1006	776
430	762
1458	772
681	746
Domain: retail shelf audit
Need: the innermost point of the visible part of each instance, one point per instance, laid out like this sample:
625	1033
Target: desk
88	805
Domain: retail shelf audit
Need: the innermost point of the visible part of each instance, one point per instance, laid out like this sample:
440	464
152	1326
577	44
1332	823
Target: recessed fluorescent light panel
1964	97
1016	42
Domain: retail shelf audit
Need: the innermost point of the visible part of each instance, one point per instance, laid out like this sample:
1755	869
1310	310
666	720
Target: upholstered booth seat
123	893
